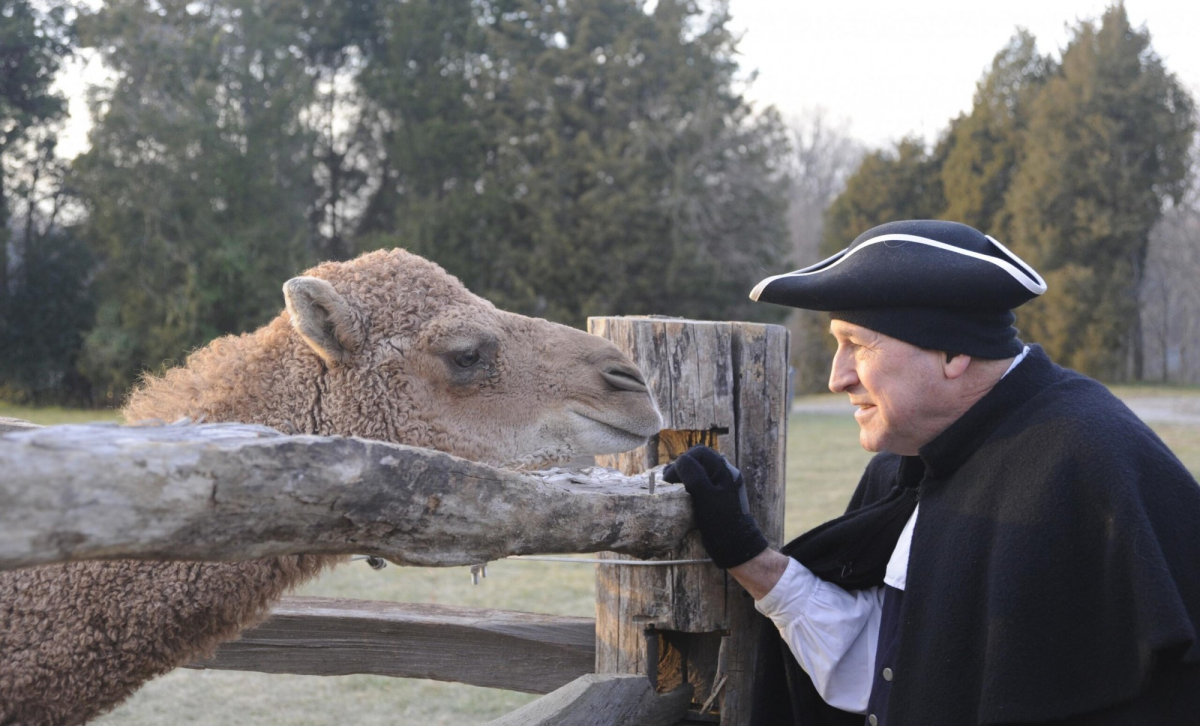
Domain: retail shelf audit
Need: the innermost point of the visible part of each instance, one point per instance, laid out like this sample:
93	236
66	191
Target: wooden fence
670	644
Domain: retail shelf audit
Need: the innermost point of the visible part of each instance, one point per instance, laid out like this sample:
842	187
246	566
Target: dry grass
824	464
53	415
1156	390
1184	440
212	697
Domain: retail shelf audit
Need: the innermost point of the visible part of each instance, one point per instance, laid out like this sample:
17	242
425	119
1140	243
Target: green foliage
600	160
564	160
985	144
200	184
1069	164
1107	143
47	313
903	183
44	298
32	46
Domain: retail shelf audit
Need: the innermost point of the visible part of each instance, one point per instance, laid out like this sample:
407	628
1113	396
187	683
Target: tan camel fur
387	346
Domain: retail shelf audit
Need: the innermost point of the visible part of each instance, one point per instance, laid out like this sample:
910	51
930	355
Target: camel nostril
624	378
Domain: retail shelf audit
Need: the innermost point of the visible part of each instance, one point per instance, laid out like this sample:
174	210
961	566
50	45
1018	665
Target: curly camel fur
387	346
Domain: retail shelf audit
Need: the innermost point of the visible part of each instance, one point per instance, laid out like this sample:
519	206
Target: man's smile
864	410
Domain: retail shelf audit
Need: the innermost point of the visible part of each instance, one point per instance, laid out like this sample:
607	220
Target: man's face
900	390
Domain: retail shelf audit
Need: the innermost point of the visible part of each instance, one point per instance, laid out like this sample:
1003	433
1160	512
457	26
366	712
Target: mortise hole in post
674	658
668	444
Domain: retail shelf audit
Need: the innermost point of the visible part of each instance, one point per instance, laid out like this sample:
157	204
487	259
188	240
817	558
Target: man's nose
841	374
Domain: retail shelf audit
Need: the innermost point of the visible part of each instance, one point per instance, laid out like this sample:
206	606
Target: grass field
52	415
824	463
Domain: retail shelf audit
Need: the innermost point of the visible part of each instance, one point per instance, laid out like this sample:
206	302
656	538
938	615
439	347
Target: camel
386	346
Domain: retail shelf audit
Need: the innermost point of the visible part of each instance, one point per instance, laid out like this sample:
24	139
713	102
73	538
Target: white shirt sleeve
832	632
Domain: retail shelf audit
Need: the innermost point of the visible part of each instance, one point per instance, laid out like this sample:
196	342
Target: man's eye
466	360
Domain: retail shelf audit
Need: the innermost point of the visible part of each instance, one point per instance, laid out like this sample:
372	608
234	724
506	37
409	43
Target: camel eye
469	359
466	360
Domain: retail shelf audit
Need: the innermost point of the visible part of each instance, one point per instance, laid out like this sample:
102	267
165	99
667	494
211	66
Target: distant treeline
1070	163
563	158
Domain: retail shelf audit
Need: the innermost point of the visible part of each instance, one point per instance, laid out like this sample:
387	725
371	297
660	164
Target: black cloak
1054	574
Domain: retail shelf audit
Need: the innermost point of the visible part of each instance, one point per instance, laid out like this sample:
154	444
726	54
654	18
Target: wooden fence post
724	385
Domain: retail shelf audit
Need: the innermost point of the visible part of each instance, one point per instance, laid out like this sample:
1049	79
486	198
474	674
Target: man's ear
323	318
955	366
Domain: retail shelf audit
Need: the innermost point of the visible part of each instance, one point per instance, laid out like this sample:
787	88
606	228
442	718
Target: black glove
719	505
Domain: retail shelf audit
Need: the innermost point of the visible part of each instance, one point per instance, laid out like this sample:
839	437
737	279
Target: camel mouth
603	437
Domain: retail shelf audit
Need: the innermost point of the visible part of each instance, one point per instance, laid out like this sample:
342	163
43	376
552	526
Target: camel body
387	346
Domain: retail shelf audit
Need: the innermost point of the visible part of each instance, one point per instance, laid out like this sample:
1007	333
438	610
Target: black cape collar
951	448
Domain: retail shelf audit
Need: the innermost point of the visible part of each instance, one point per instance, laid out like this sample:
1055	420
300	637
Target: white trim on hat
1021	272
1039	285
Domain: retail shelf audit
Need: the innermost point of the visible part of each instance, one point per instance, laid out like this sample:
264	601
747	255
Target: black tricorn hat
935	284
916	263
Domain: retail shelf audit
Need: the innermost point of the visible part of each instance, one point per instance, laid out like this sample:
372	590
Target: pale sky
895	68
886	68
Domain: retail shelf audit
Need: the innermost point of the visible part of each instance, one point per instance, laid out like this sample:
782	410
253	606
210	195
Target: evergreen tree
986	143
1069	164
32	46
1107	142
45	301
566	159
602	162
201	180
904	183
421	93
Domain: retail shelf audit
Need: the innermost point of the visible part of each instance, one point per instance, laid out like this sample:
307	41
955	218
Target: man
1051	572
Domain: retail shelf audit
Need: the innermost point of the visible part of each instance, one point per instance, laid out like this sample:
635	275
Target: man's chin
868	442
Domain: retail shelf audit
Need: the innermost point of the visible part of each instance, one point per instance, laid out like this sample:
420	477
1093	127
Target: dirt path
1166	409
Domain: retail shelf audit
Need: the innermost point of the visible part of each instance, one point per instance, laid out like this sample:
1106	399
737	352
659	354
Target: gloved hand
719	505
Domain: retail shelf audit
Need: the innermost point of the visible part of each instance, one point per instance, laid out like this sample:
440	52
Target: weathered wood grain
760	359
231	491
723	385
516	651
603	700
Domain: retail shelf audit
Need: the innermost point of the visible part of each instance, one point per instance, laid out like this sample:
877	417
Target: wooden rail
232	491
603	700
317	636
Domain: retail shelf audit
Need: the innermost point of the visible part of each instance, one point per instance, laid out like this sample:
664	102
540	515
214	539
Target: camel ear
323	318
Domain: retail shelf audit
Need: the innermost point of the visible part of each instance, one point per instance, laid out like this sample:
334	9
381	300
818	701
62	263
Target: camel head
389	346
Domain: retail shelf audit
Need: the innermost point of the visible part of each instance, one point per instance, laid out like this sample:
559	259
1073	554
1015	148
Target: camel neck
265	377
